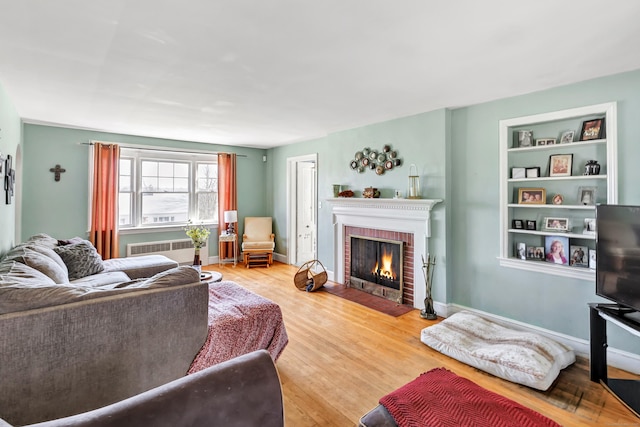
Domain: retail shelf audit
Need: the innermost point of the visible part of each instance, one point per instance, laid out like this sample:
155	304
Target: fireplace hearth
376	266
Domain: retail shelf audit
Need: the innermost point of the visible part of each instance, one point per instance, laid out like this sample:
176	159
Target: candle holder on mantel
414	183
427	270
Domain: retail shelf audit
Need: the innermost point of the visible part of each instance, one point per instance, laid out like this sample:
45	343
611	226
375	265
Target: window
162	188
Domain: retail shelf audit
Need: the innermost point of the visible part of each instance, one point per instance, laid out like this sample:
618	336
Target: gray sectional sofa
78	333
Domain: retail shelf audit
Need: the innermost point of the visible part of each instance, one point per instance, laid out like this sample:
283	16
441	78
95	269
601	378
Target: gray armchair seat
243	392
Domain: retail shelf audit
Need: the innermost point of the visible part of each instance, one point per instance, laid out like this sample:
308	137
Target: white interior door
305	212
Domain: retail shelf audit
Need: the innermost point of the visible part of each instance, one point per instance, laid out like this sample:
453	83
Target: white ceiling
264	73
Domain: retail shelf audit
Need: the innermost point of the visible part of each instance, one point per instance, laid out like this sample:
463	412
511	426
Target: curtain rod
170	150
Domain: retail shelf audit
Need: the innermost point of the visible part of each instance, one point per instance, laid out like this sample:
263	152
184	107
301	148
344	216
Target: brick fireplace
395	219
405	268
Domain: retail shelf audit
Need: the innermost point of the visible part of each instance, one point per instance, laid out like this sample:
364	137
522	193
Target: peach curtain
227	196
104	205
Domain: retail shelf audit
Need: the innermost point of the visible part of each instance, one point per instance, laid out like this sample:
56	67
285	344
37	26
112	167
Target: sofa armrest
243	392
62	360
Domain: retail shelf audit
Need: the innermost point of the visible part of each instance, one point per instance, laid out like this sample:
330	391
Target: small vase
196	259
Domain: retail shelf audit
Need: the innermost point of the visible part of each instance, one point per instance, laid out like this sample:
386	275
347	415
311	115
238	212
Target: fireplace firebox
376	266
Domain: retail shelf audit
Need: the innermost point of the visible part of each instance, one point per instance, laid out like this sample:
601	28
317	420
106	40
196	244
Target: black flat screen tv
618	254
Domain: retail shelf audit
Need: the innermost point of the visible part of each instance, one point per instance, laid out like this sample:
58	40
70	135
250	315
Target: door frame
292	202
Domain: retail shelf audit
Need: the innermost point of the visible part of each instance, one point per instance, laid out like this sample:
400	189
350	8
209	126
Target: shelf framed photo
532	172
556	224
525	138
587	196
531	224
579	256
560	164
567	136
545	141
518	173
532	196
518	224
592	129
589	226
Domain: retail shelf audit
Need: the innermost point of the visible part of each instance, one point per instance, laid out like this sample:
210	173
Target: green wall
10	140
551	302
60	209
419	140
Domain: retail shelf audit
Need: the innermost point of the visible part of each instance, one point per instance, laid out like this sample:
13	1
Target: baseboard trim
615	357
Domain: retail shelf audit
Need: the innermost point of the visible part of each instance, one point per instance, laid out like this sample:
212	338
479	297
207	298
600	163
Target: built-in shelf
603	150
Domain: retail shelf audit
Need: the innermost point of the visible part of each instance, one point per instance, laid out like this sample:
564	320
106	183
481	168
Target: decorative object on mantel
414	183
199	235
56	172
378	161
427	269
371	193
346	193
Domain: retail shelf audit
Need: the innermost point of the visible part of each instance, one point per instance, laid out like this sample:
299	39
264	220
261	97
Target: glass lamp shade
230	218
414	183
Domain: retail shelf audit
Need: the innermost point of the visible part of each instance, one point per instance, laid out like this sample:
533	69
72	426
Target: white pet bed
521	357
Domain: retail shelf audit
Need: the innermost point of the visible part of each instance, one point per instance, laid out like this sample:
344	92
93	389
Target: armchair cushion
258	234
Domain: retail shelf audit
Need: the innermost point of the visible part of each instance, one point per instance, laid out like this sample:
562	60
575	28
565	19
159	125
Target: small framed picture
556	224
592	259
525	138
518	173
545	141
589	226
531	224
539	252
560	164
558	199
587	195
532	196
556	247
518	224
567	136
579	256
521	250
531	252
533	172
592	129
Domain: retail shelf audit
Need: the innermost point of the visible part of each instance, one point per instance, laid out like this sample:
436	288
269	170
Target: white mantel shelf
404	204
403	215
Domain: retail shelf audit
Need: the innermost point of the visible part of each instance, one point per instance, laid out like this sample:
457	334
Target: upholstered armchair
258	241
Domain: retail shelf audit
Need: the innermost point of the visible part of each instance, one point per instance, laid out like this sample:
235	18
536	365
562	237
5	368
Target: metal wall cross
57	171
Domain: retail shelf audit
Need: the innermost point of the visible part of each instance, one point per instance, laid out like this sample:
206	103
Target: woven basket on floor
310	276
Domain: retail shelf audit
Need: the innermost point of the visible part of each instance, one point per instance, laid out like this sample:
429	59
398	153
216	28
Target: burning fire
385	270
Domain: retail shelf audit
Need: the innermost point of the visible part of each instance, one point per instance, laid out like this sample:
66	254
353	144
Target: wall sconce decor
378	161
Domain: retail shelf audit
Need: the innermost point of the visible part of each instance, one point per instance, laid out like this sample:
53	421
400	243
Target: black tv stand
627	391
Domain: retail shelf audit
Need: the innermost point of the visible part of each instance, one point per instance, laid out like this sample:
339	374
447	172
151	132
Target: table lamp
230	218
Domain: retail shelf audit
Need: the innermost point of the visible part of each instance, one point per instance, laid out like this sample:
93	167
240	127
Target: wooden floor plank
342	357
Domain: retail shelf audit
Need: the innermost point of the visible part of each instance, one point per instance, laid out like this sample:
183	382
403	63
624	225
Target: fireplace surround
386	216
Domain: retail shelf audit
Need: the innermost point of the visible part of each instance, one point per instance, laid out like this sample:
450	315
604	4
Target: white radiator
180	251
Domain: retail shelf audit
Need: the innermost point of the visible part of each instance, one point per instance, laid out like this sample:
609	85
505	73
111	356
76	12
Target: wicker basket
311	276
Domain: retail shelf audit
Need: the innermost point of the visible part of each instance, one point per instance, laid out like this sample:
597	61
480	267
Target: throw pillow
45	265
64	242
81	259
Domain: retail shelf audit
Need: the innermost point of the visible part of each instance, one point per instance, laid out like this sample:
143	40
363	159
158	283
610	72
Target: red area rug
372	301
440	398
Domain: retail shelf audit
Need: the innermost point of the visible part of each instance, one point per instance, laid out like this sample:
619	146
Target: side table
210	276
225	238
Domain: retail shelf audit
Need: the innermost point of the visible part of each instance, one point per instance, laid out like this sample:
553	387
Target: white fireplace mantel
402	215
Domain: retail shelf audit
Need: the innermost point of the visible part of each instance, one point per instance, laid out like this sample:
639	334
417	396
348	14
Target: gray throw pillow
45	265
81	259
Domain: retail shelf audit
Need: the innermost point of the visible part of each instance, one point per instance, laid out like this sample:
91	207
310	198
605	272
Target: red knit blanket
240	322
441	398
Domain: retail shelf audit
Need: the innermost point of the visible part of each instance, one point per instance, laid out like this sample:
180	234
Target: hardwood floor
342	357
